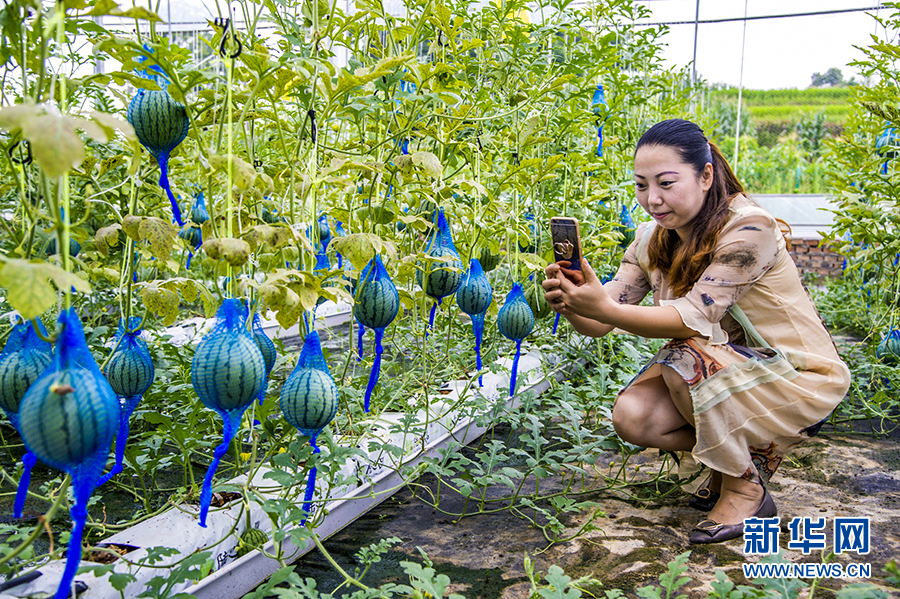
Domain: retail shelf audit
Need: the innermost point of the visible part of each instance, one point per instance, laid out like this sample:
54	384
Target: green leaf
108	7
28	290
358	248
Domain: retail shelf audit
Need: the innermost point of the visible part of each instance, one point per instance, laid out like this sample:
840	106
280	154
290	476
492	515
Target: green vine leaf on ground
28	288
559	585
425	580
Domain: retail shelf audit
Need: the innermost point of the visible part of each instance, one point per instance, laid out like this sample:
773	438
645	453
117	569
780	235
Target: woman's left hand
589	299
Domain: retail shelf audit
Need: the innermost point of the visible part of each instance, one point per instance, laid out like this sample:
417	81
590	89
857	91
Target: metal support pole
694	61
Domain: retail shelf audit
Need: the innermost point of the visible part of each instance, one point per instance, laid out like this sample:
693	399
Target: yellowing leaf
243	174
235	251
108	7
428	162
131	225
160	234
160	301
358	248
107	237
308	297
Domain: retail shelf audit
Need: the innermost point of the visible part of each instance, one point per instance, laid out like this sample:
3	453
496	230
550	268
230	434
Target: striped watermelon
130	370
70	414
23	359
252	538
515	320
228	369
68	418
534	295
441	277
377	301
309	397
265	345
474	294
489	261
161	124
74	247
193	235
199	213
888	350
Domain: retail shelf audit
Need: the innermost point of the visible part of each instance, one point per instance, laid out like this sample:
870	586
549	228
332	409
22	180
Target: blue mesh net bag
130	373
376	305
473	297
68	418
309	400
228	372
515	321
22	361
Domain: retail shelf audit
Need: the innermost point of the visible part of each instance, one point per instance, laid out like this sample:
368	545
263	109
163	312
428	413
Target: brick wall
813	256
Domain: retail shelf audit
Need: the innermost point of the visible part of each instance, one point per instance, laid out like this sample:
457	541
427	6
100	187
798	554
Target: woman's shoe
710	531
704	499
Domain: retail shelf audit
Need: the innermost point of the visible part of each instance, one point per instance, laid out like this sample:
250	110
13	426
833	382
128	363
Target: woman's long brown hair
682	263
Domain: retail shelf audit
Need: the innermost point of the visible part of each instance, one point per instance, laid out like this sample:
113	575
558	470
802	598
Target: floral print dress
763	371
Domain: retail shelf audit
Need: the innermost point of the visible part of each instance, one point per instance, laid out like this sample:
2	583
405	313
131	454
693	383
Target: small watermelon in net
515	321
68	418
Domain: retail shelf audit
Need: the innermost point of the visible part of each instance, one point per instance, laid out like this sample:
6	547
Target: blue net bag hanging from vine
22	361
626	227
441	277
888	351
473	297
599	107
269	352
68	418
130	373
161	124
228	372
515	321
376	305
309	401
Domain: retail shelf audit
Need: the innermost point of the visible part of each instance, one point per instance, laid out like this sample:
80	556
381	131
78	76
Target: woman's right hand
555	273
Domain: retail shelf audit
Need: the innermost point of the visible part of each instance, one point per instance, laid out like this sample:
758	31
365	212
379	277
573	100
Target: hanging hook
225	24
312	124
28	156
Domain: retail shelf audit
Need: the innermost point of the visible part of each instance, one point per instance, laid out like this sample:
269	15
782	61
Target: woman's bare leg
740	498
646	415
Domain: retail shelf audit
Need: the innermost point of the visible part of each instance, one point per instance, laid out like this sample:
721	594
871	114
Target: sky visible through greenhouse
778	52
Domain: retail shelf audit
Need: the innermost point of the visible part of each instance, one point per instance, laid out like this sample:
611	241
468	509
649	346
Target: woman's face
668	189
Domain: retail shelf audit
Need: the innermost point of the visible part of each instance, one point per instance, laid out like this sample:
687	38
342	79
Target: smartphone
566	240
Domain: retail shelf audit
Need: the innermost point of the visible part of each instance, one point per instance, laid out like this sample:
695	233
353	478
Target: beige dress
763	372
